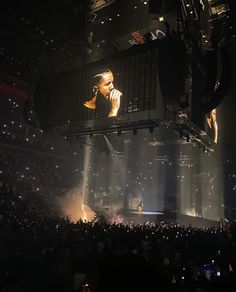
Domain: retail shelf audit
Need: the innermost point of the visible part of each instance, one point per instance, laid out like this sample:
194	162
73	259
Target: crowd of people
41	250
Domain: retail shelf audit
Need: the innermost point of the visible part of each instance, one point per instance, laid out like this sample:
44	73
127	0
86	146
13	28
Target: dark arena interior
117	158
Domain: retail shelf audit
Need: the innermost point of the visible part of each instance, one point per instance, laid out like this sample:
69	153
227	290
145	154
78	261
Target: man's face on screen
106	84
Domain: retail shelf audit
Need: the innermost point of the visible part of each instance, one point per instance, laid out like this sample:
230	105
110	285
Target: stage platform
174	123
167	217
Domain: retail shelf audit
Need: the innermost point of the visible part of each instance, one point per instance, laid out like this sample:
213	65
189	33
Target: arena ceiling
58	35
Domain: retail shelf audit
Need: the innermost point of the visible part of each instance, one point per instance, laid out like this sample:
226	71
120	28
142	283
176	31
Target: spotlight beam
111	148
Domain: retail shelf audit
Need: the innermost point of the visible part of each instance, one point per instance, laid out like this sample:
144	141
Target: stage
144	217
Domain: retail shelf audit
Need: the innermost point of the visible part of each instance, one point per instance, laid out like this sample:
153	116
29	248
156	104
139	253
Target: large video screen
123	84
119	86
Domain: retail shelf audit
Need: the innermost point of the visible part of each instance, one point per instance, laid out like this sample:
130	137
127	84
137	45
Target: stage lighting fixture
187	138
207	151
100	4
92	16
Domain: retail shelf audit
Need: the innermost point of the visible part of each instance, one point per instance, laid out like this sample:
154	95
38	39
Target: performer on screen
212	124
105	95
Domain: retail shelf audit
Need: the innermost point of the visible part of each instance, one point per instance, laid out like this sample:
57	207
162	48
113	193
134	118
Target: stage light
207	151
187	138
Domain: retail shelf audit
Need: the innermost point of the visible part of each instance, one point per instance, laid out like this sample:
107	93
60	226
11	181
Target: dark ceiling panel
59	35
34	30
